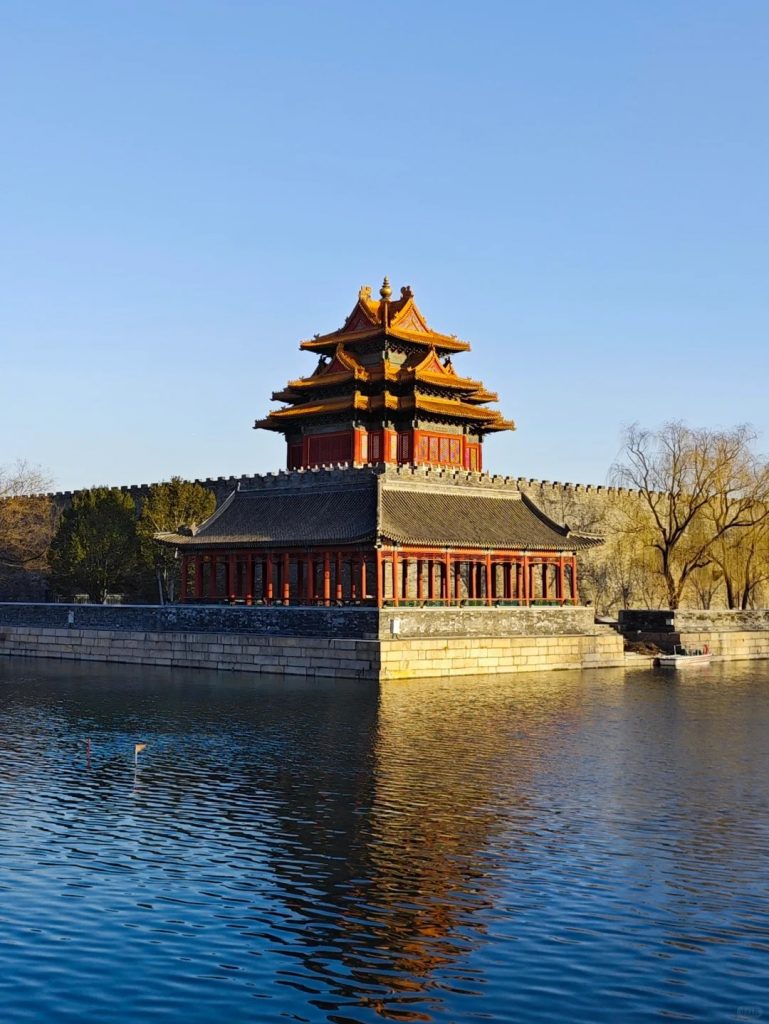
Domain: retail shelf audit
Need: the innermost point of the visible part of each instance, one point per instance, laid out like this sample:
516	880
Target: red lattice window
328	448
440	449
294	456
375	447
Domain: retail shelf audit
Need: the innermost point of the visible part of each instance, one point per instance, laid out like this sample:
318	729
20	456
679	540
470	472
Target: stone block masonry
273	620
430	642
552	492
693	620
470	656
316	656
238	652
502	621
729	634
728	645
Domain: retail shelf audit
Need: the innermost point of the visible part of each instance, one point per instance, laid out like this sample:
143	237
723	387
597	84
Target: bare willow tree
27	518
742	559
696	488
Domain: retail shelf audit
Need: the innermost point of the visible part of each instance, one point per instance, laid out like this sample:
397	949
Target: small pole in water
138	747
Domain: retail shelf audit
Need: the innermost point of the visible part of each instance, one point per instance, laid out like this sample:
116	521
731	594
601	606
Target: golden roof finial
385	291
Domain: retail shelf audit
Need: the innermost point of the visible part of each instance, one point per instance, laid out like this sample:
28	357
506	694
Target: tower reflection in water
353	836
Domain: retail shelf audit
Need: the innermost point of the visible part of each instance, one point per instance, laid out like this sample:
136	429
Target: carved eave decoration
425	382
399	319
443	408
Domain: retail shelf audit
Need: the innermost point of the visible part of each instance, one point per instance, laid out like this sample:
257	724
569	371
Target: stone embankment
362	643
368	643
730	635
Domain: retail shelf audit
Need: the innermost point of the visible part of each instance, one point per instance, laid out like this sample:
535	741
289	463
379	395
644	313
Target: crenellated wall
585	508
552	493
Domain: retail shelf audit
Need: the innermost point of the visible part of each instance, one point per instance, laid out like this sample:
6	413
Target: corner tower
385	391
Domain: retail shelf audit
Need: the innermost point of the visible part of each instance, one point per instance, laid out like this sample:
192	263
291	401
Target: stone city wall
554	496
537	620
723	644
316	656
735	635
456	656
727	645
239	652
688	620
582	506
429	642
361	623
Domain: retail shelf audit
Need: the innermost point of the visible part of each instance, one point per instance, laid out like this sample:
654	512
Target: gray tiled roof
361	508
469	518
280	518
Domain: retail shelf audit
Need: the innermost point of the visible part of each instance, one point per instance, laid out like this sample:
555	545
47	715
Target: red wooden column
339	592
574	591
286	574
381	577
560	589
249	587
232	576
447	573
198	576
488	577
183	582
268	580
212	575
525	580
395	577
363	577
326	578
309	578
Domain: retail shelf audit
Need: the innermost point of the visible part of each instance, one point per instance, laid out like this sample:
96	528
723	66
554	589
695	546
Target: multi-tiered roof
386	369
368	531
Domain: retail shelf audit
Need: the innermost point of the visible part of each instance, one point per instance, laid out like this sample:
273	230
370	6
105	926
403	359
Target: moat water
580	847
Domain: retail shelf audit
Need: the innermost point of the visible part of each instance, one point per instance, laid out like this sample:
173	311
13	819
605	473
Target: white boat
684	657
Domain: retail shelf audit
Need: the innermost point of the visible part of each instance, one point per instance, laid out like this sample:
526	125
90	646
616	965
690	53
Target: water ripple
569	847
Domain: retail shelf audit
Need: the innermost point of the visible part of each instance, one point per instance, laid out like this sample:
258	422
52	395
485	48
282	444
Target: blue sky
189	188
